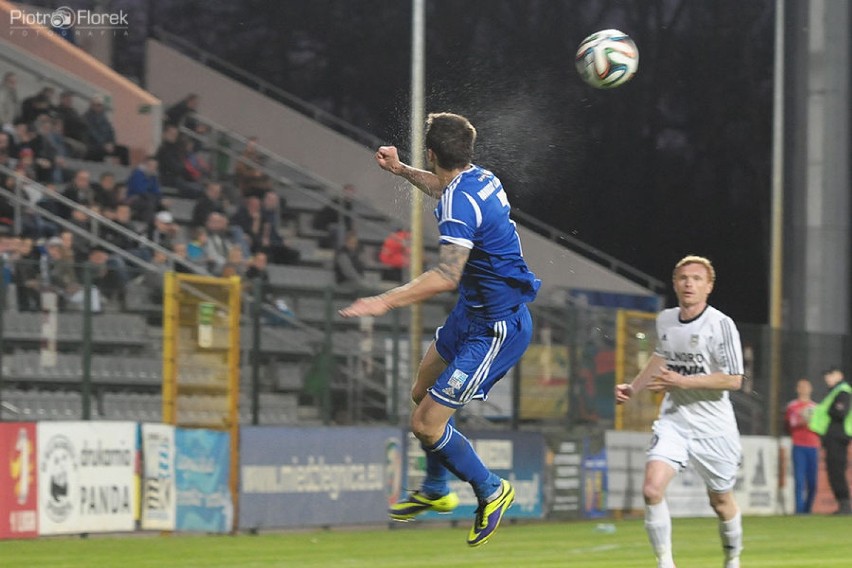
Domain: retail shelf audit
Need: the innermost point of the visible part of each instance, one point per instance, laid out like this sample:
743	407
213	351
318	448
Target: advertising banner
202	475
86	477
757	488
159	489
565	459
18	478
318	476
594	483
518	457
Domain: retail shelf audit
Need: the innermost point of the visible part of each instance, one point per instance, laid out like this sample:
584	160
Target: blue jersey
474	213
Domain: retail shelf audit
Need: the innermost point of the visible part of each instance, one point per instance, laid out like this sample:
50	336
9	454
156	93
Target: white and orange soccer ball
607	59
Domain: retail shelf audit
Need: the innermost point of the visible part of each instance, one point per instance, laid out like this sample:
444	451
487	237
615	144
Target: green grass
774	542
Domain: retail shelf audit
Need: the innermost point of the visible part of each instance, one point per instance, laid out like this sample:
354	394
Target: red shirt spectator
395	254
796	418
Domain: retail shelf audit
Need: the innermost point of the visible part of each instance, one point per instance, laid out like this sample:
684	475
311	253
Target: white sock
731	533
658	525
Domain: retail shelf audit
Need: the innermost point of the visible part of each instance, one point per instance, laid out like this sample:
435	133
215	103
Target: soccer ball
607	59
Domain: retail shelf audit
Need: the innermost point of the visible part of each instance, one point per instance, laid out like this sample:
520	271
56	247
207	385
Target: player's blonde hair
695	259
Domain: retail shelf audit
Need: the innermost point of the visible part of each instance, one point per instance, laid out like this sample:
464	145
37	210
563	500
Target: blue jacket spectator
143	190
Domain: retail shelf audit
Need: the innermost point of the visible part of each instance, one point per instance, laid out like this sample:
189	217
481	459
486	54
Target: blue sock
457	455
437	479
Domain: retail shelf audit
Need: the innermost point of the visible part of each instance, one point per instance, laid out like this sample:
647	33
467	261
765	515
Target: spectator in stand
336	219
102	143
195	165
21	134
258	268
121	216
80	189
45	152
26	277
107	193
61	277
66	146
79	248
26	167
183	112
143	191
6	149
106	276
237	261
395	255
220	239
805	446
171	155
250	179
196	248
39	103
164	231
348	266
51	204
153	279
249	218
273	209
75	126
209	202
9	106
257	227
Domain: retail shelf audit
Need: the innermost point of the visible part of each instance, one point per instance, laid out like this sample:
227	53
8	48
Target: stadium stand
126	342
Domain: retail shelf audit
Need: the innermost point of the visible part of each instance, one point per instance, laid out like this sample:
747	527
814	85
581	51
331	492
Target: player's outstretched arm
443	278
668	379
652	367
388	159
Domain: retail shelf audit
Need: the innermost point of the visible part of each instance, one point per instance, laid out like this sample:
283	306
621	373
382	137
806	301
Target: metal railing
590	252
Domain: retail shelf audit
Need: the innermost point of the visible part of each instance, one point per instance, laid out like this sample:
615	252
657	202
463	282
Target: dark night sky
675	162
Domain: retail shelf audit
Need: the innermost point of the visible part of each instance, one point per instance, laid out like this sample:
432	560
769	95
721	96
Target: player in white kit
698	359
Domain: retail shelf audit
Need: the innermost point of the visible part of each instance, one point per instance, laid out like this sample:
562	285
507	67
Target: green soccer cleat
488	515
419	502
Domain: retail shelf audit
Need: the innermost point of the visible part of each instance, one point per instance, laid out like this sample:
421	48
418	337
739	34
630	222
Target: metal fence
93	350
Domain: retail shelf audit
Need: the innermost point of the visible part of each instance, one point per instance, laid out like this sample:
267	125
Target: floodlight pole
777	237
418	40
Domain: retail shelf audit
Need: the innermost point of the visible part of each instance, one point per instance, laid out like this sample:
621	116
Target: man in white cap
164	231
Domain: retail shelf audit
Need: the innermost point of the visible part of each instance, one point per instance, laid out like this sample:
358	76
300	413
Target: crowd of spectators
235	222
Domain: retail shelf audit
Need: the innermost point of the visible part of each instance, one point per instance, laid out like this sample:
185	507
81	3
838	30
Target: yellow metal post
170	333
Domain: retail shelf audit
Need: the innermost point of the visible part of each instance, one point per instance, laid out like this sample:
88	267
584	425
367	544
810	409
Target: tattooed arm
443	278
388	159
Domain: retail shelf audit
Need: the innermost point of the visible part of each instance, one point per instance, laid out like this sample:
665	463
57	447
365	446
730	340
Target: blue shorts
478	353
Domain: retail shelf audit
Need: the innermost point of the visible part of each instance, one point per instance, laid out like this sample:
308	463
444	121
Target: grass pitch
770	542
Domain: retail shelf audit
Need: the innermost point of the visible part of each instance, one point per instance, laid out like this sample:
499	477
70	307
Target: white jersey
709	343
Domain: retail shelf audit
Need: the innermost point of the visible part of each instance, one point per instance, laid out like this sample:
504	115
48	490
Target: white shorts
715	459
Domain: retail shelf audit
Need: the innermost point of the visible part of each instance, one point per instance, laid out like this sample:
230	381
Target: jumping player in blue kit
485	335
